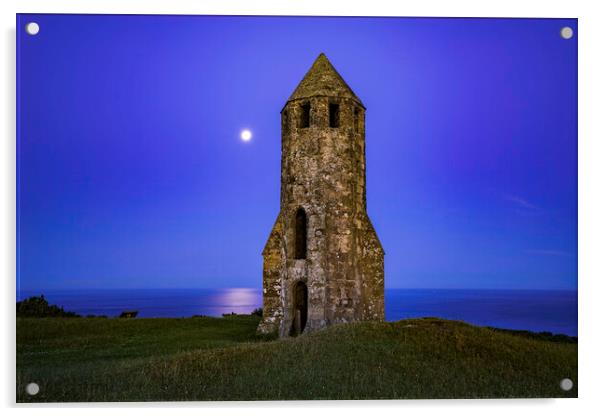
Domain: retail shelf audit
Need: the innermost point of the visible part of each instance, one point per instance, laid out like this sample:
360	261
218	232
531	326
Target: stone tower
323	263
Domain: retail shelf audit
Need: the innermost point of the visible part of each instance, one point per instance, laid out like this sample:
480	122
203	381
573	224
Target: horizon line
260	289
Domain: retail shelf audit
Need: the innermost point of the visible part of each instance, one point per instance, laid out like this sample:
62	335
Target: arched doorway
299	308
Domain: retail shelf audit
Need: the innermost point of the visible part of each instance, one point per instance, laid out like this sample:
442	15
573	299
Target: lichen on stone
323	172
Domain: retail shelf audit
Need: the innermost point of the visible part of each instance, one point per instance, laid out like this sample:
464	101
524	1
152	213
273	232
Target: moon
246	135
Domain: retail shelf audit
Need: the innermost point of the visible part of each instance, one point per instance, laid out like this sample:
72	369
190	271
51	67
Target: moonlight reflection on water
535	310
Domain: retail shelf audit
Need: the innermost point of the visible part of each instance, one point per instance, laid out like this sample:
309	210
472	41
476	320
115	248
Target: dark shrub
38	307
258	312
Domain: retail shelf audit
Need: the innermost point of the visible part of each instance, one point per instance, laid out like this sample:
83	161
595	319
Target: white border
590	183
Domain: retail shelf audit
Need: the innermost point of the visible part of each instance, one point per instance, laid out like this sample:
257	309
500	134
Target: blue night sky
132	173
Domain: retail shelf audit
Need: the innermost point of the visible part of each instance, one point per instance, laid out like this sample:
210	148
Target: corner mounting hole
566	384
32	28
566	32
32	389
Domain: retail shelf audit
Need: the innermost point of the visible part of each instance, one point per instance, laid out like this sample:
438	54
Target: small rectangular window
334	115
304	118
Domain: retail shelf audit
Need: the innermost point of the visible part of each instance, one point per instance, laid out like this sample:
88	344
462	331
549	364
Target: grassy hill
95	359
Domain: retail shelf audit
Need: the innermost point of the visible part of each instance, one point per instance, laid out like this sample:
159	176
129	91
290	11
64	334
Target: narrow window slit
304	119
334	115
300	234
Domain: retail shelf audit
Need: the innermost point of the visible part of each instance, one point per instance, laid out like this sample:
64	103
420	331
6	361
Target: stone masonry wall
323	172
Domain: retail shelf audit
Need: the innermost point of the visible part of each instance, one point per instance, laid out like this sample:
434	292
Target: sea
533	310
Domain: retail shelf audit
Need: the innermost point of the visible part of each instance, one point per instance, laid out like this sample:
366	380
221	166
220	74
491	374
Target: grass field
96	359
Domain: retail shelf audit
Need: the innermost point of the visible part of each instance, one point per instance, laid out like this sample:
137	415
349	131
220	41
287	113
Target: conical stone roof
323	80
